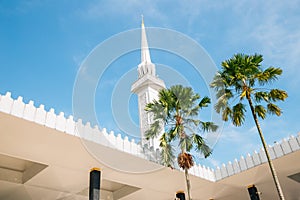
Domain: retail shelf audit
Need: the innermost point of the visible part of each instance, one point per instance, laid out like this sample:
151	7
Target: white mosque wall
60	122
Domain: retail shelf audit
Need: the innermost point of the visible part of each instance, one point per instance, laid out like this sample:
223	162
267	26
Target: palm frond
208	126
201	146
238	114
222	102
191	122
227	112
274	109
268	75
205	101
192	111
173	132
276	94
218	83
154	130
167	151
260	111
185	143
261	95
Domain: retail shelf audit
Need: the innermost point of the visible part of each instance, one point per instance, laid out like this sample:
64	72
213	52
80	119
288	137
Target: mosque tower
147	88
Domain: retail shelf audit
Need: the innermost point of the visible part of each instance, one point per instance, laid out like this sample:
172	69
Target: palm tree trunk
188	183
274	174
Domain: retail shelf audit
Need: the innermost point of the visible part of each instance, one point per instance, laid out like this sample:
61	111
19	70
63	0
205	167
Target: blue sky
43	43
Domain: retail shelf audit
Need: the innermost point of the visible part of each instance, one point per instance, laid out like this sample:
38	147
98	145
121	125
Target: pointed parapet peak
112	133
285	145
20	99
119	142
31	102
134	148
201	170
29	111
294	143
104	131
79	128
206	173
211	174
236	166
18	107
256	159
7	94
127	145
230	170
40	116
61	122
249	161
200	166
271	152
112	138
207	168
61	114
194	170
94	134
50	118
96	128
42	106
218	173
224	172
262	155
6	103
79	125
70	125
88	124
278	150
243	164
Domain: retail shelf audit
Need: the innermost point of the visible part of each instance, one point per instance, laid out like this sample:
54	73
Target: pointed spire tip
143	25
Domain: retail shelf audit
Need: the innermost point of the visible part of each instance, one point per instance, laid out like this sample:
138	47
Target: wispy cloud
115	8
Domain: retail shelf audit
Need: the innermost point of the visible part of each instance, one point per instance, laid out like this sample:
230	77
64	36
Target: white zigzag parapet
39	115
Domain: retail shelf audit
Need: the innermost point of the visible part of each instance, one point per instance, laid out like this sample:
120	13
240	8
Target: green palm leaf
273	109
260	111
238	114
244	77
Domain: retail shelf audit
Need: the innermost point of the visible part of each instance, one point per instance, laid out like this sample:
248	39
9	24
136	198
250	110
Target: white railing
68	125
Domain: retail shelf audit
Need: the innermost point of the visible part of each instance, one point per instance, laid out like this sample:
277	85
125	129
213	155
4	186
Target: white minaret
146	87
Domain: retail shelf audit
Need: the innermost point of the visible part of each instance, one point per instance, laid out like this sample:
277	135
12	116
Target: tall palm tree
176	111
243	78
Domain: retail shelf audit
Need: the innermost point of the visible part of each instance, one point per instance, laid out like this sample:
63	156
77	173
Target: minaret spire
146	88
143	25
146	66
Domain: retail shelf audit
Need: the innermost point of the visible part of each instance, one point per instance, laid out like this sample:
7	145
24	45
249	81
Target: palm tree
242	78
177	110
